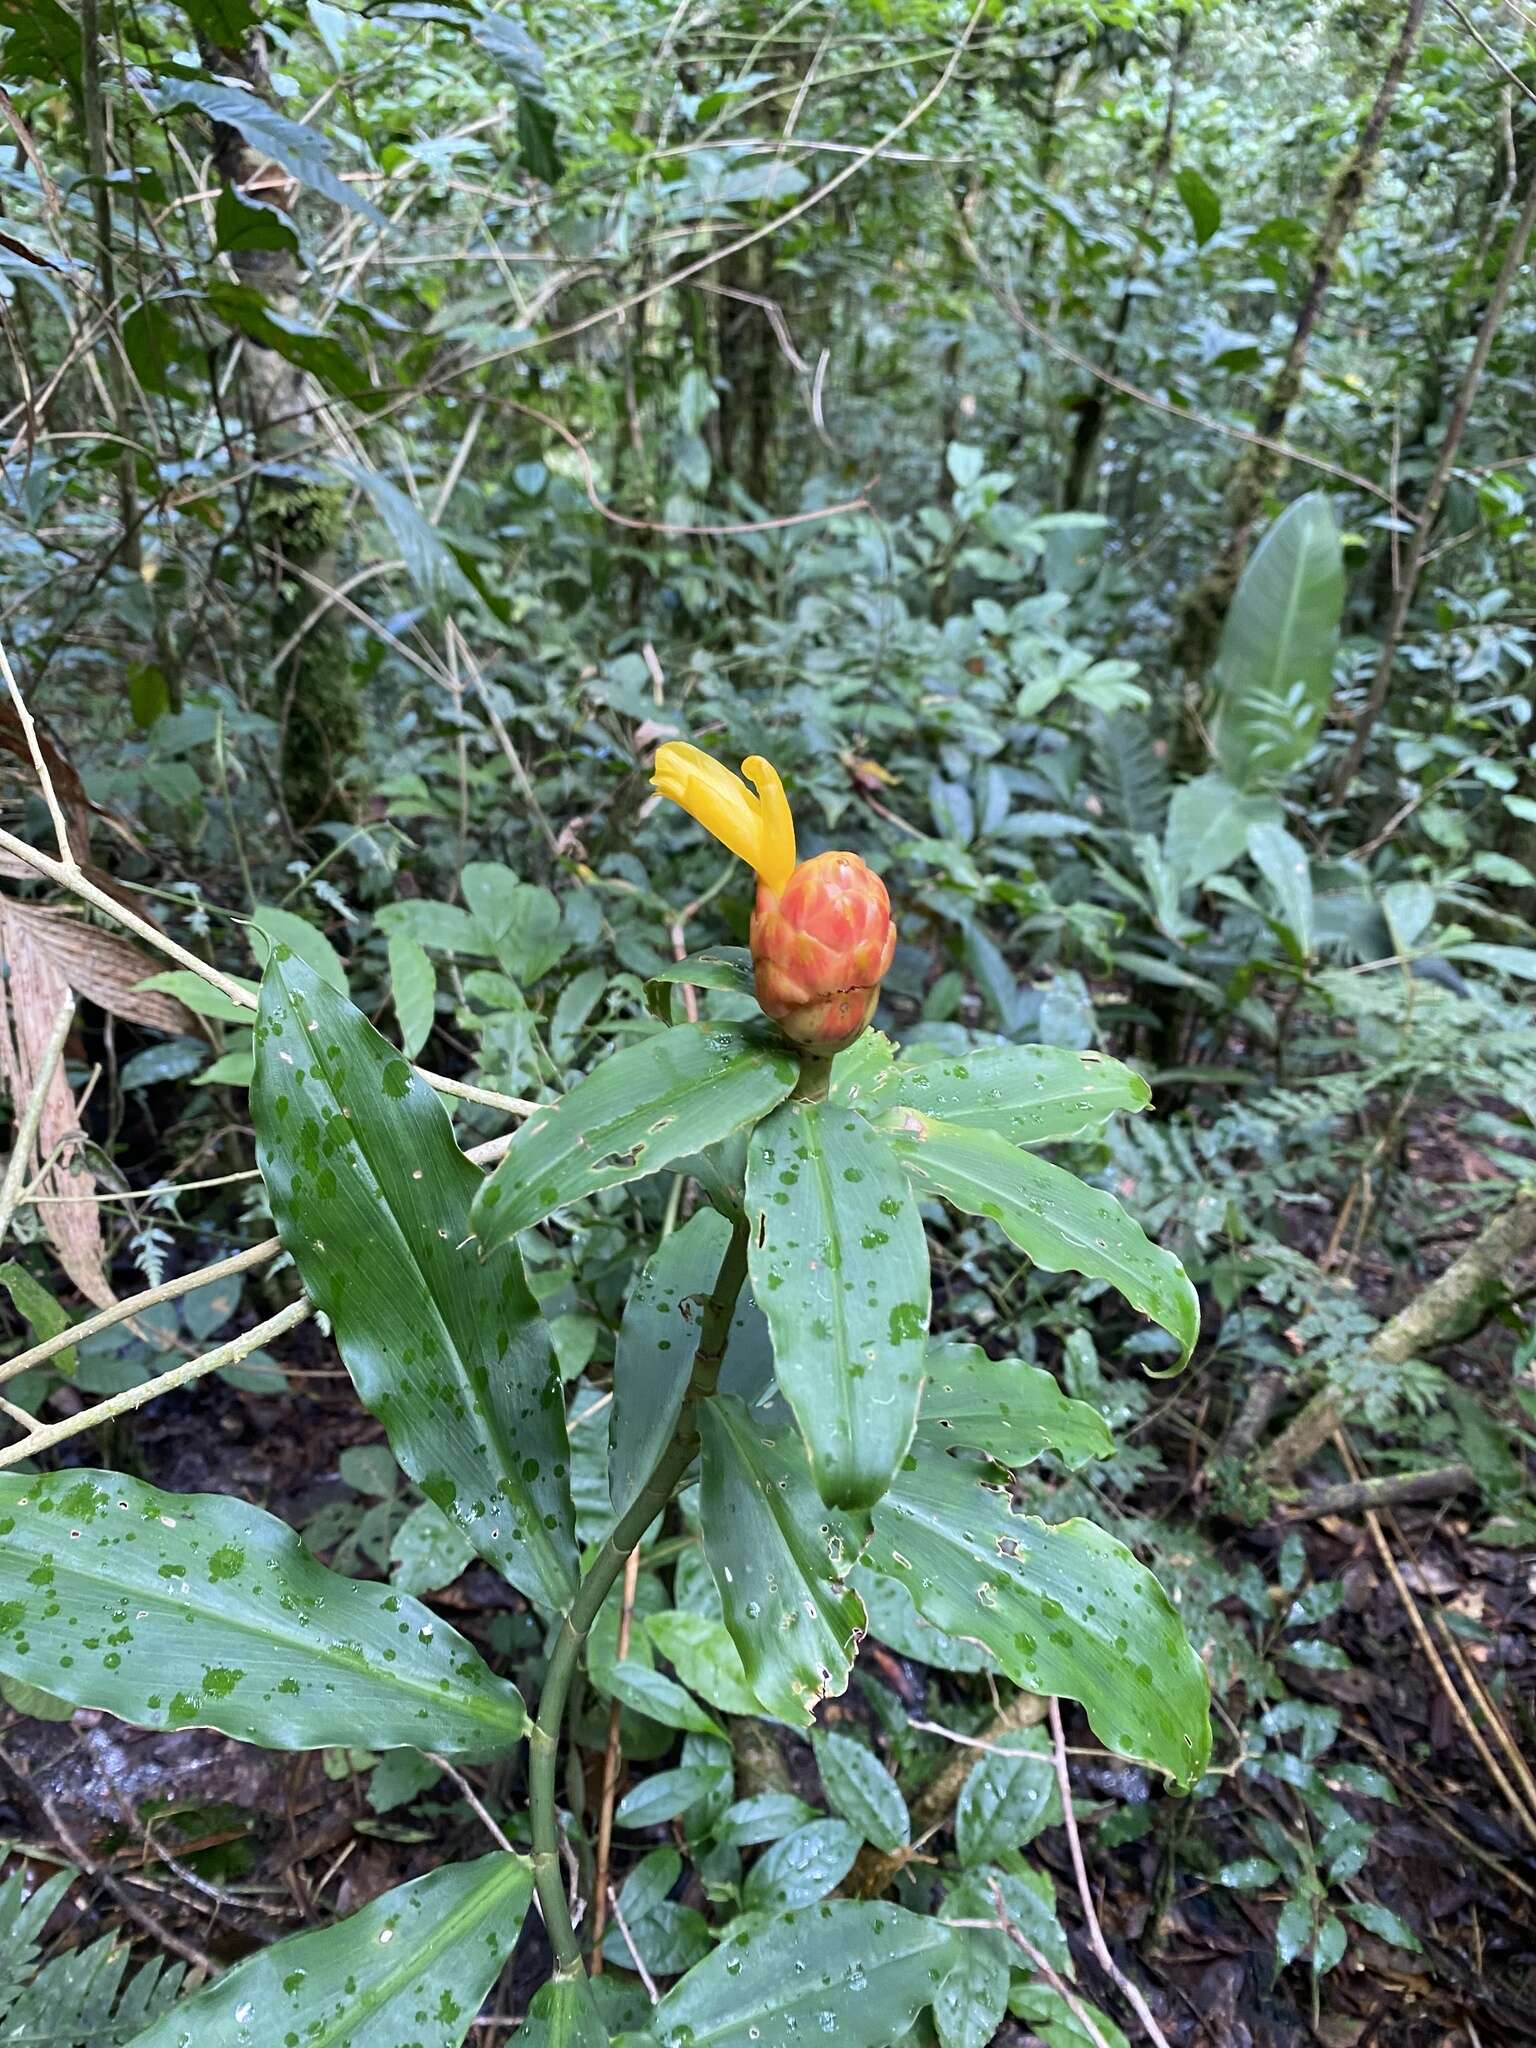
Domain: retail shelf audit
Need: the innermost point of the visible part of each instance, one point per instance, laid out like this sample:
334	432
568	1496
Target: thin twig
1107	1962
476	1804
613	1759
34	748
1007	1925
1458	1706
618	1920
72	879
152	1925
25	1136
179	1376
124	1311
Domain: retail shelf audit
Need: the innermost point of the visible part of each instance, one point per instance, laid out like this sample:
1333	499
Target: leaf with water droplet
1063	1225
450	1351
849	1320
180	1609
414	1966
1066	1610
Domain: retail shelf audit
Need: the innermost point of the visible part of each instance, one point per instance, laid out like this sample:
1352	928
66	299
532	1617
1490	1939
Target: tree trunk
294	524
1434	496
1205	605
1092	408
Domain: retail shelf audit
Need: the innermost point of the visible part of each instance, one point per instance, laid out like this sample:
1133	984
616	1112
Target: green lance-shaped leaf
1064	1225
372	1198
654	1102
858	1973
414	1967
176	1610
1274	667
780	1560
654	1356
1064	1609
839	1266
1031	1094
564	2014
728	968
1011	1411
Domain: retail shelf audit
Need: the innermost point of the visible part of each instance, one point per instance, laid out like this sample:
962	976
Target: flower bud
821	950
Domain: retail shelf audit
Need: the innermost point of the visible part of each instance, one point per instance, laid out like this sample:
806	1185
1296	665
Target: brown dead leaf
101	966
17	768
32	990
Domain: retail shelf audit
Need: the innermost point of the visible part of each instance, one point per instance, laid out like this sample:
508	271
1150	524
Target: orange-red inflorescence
821	950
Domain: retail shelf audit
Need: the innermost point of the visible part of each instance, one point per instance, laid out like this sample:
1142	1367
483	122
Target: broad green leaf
669	1936
428	1551
1049	2015
372	1198
857	1972
413	986
242	225
429	560
1009	1797
1032	1094
201	996
1390	1926
1063	1225
1064	1609
444	927
839	1266
1200	203
48	1318
722	967
971	2002
1207	829
663	1795
325	356
177	1610
413	1967
862	1790
779	1558
654	1102
273	927
1011	1411
894	1621
223	21
1273	673
652	1693
521	920
657	1340
705	1658
1283	863
1029	1900
803	1867
302	150
563	2014
764	1818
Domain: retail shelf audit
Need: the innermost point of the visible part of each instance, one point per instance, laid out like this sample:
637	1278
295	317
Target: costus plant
779	1351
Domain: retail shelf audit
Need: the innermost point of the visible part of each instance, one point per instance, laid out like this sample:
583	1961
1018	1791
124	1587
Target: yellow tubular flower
754	824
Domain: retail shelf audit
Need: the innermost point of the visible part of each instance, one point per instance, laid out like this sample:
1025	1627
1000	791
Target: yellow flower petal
776	861
755	825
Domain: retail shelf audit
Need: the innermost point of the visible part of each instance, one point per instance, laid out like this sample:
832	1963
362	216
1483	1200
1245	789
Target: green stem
576	1625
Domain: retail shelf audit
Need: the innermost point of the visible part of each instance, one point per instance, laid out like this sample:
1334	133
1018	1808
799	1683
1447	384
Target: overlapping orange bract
822	936
822	949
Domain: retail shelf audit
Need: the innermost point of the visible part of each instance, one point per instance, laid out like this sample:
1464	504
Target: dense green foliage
1080	444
